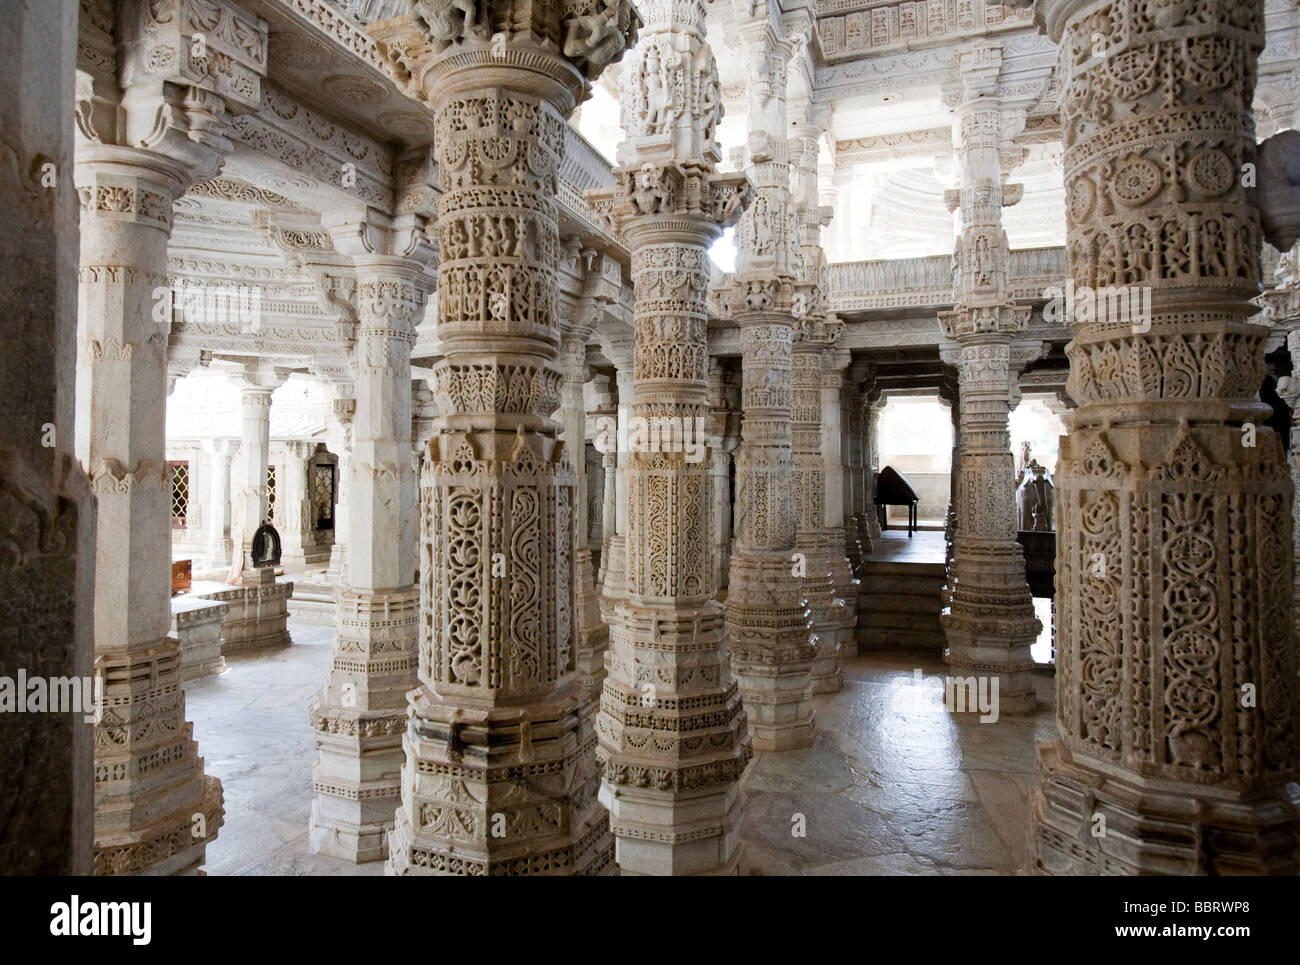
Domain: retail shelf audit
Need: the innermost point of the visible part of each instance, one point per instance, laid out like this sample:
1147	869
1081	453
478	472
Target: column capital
221	448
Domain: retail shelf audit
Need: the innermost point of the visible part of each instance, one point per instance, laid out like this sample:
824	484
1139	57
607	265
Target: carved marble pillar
844	612
990	622
340	443
293	503
219	453
361	715
47	576
149	778
812	548
613	564
857	500
874	404
256	386
500	773
721	444
1176	662
767	613
154	808
673	742
591	633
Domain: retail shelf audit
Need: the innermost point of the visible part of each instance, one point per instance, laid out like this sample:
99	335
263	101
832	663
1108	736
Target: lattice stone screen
180	472
322	496
270	495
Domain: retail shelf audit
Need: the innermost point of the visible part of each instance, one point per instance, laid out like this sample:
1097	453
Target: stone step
880	638
898	603
313	603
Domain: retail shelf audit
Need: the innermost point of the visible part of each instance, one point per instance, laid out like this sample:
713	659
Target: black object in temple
266	546
894	489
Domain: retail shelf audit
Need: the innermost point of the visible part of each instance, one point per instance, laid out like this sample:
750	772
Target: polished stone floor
891	786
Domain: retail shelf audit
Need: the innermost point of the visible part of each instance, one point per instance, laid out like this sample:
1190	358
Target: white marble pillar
673	740
361	715
845	601
500	772
293	502
47	572
339	442
613	565
256	386
220	453
990	623
1178	703
143	814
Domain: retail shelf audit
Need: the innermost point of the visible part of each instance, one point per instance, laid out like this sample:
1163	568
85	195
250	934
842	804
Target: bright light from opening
723	251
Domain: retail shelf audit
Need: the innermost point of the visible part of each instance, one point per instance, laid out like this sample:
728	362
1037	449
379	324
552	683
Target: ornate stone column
874	404
814	336
613	564
672	730
990	623
149	779
340	443
220	452
767	613
292	503
361	715
1176	660
47	575
857	500
591	633
721	443
500	774
256	385
845	606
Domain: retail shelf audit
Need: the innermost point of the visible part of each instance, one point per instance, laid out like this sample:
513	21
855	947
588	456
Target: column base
500	791
772	653
1090	821
356	781
996	651
169	846
825	670
693	834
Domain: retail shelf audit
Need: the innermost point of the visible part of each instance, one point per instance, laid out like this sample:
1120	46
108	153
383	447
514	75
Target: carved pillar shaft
220	452
293	499
1176	662
845	613
591	633
498	739
360	716
990	622
672	729
811	536
767	613
254	458
614	563
143	813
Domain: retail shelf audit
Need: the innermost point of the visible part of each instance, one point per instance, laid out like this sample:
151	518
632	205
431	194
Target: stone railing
926	282
852	28
895	283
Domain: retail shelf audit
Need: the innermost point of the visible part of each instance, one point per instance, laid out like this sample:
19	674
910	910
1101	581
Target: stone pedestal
196	623
1177	695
